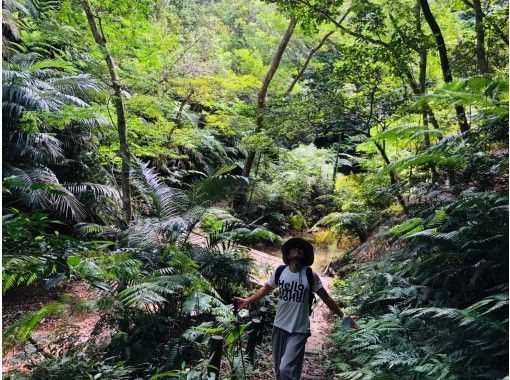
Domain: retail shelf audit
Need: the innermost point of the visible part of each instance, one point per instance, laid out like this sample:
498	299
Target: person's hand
355	326
241	303
349	322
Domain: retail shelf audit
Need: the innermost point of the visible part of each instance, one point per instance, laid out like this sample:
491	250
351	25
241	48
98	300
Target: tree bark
307	62
422	79
381	148
119	108
481	58
498	31
178	116
443	57
393	177
261	99
422	51
337	157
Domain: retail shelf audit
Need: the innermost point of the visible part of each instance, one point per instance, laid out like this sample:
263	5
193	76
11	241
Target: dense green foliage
371	129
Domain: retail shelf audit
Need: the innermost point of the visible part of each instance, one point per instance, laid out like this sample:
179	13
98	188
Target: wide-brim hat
298	243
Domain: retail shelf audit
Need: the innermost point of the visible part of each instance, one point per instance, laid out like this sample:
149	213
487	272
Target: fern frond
20	331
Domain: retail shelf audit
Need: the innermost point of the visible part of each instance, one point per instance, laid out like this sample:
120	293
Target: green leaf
74	261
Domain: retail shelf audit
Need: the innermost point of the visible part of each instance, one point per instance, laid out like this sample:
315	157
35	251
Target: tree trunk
119	108
393	177
178	115
261	99
337	157
422	81
423	76
498	31
307	62
443	57
252	187
481	58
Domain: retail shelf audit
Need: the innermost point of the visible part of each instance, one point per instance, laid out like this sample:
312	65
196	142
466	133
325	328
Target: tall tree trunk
443	57
393	176
119	108
261	99
252	190
307	62
422	81
481	58
498	31
337	157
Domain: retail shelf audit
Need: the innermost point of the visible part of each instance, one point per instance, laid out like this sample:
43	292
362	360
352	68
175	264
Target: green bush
438	307
77	367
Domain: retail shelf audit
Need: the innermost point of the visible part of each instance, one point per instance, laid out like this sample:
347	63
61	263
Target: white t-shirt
292	312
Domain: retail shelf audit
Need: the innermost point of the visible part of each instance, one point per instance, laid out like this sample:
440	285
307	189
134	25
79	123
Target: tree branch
306	63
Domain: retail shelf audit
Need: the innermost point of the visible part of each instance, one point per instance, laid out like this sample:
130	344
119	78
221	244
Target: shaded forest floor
55	332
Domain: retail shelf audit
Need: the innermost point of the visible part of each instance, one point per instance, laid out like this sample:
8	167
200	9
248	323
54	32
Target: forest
149	147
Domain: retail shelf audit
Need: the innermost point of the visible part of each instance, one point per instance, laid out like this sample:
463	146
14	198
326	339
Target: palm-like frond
24	270
454	239
85	229
166	201
21	330
144	294
231	231
180	210
150	236
202	148
211	189
340	221
95	189
155	289
37	147
199	302
40	188
33	84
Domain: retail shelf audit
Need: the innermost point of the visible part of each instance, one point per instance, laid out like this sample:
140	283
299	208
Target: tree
119	107
481	58
261	98
443	57
307	62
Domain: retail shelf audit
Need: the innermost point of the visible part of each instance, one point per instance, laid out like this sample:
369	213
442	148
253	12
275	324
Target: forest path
313	368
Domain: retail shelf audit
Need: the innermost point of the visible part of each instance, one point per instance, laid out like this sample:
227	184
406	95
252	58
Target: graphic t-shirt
292	312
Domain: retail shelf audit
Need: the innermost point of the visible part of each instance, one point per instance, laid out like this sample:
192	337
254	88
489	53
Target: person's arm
330	302
262	292
334	307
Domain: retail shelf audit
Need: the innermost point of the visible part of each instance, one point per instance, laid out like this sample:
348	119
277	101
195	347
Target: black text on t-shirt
291	291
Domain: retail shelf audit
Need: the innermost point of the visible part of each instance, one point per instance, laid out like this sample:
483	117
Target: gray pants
288	354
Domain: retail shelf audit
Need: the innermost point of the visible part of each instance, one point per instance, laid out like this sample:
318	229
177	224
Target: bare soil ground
74	322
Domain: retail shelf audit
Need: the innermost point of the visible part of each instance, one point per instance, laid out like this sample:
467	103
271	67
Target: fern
19	332
406	228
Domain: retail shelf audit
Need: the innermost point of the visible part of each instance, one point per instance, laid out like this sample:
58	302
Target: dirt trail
319	326
76	325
